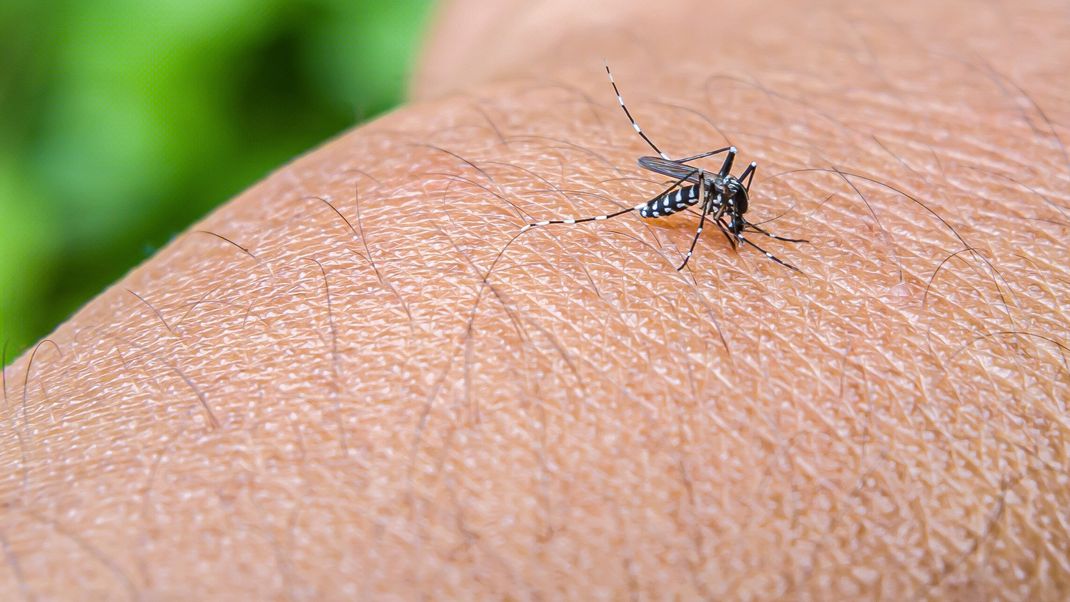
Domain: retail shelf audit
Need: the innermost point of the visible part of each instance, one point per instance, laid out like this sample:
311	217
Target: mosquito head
736	194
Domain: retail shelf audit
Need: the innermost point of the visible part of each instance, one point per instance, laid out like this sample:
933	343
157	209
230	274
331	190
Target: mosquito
724	197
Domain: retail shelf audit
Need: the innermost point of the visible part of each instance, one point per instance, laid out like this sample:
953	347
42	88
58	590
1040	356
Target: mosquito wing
670	168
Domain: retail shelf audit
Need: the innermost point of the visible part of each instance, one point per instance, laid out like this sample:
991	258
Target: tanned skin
356	381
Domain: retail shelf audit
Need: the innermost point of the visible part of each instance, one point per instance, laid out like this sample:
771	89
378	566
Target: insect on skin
724	197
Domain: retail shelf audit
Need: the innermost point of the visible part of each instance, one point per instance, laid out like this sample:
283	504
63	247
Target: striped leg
635	124
706	154
748	175
765	232
767	253
726	167
569	220
727	235
701	223
650	143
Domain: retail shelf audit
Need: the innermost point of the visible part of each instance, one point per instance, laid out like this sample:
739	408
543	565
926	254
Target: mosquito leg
765	232
570	220
748	175
635	124
727	236
767	253
726	167
701	220
705	154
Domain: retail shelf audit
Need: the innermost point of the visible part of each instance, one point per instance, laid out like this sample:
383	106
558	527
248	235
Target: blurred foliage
116	115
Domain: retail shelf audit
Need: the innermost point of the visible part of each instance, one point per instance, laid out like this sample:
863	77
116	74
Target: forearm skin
357	379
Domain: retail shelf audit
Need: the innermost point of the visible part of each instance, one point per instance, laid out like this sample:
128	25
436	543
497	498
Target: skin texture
338	385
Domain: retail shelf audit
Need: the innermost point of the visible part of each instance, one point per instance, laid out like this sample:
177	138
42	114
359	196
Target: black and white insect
722	195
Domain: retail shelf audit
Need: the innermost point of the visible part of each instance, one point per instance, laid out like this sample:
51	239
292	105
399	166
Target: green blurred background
117	115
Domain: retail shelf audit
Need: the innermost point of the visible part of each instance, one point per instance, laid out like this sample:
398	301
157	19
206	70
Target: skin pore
357	380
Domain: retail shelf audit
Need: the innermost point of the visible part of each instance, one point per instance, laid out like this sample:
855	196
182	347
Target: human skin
394	395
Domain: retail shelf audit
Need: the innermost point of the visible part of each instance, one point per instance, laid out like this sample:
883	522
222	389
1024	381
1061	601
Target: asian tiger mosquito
722	194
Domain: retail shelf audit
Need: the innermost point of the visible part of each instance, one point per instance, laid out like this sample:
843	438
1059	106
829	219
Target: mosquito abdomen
670	202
